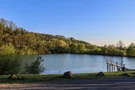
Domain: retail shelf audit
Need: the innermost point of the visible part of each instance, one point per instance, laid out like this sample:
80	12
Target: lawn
29	78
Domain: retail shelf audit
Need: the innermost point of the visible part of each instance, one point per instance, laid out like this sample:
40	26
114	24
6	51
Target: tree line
16	40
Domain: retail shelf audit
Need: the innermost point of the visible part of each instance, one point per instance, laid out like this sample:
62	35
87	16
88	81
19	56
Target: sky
98	22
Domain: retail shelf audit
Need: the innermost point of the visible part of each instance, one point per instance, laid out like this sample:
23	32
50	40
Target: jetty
113	66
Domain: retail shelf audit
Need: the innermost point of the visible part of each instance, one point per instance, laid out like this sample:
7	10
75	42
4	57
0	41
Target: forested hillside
16	40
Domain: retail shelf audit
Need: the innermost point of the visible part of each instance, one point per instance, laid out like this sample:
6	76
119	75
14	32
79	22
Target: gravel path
126	83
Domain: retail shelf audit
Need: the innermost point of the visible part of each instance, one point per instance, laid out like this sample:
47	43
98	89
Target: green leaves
7	49
17	40
34	67
9	64
131	50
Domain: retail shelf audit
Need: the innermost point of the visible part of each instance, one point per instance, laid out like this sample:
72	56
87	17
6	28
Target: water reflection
60	63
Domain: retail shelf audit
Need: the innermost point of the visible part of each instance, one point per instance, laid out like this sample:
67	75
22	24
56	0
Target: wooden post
117	65
107	67
114	68
107	64
123	67
118	68
111	67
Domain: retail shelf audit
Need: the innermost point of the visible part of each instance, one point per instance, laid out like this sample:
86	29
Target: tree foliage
7	49
9	64
17	40
35	67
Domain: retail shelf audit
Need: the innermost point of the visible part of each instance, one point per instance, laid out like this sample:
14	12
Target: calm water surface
60	63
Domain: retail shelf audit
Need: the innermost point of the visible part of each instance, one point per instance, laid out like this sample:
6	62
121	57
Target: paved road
108	84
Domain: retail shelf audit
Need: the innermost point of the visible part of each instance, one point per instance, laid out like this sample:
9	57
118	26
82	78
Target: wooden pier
113	66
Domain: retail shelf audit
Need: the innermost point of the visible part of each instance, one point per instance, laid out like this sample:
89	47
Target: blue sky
96	21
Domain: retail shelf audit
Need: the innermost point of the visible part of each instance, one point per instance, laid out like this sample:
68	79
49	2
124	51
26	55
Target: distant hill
17	40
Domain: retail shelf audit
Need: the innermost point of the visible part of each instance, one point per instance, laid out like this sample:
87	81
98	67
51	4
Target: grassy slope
42	78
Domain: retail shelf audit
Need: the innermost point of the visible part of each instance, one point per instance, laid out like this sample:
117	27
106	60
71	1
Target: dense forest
16	40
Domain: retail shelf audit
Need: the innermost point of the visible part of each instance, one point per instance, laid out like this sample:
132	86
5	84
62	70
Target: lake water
77	63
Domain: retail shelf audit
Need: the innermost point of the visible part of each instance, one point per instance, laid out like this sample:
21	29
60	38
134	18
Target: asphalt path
125	83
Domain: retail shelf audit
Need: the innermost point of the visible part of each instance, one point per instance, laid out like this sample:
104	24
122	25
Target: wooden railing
113	66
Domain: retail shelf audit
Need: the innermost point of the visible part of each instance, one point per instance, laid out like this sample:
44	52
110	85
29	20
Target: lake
80	63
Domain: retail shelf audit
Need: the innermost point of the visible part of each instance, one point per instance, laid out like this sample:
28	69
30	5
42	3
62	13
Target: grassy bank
43	78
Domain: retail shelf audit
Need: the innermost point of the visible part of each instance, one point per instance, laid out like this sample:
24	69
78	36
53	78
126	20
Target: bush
35	67
9	64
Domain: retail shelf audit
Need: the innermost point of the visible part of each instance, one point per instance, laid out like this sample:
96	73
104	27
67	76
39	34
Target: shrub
35	67
9	64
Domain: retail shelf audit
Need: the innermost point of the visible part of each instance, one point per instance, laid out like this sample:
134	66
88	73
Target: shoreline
80	54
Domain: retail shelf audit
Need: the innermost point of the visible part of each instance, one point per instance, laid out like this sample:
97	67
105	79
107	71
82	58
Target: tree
120	45
35	67
3	21
7	49
81	48
131	50
104	50
9	64
14	39
73	48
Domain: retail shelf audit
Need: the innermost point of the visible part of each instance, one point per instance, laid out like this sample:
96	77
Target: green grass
29	78
107	75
